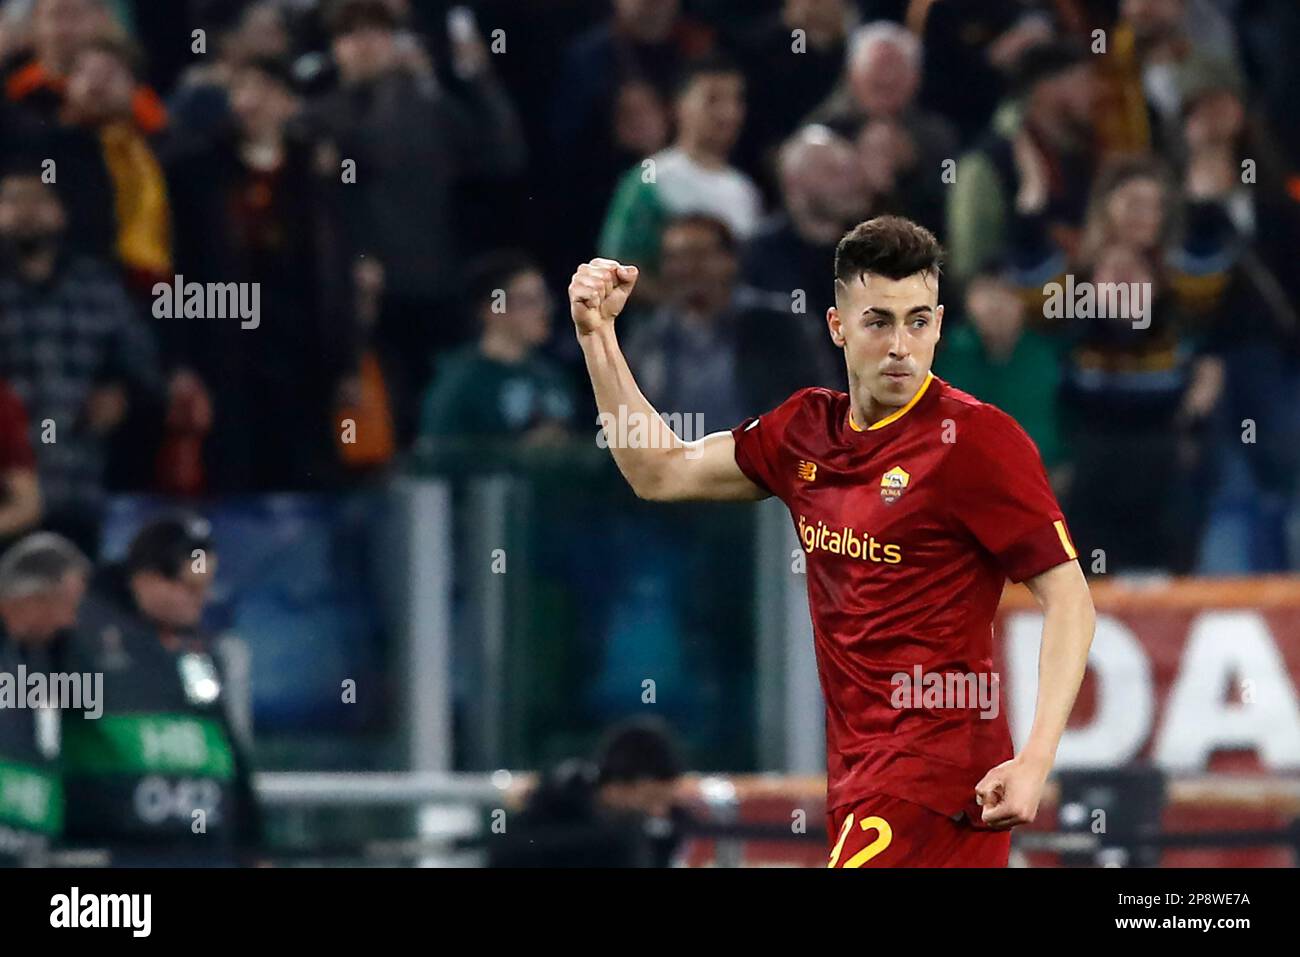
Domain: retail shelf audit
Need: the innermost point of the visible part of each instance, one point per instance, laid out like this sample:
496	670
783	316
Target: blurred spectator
20	492
620	810
72	348
118	119
714	348
56	32
252	208
75	101
42	580
199	103
978	43
644	40
691	176
1049	125
141	628
791	73
903	146
1153	50
639	125
1135	202
1232	161
995	358
411	144
825	194
1138	397
500	386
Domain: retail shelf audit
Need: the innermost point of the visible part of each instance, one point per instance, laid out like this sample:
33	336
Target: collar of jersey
894	416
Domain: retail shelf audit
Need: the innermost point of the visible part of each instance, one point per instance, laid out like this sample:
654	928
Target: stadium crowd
409	185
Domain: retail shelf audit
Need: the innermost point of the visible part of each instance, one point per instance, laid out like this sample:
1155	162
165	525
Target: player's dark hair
703	220
637	750
166	544
495	271
708	65
888	246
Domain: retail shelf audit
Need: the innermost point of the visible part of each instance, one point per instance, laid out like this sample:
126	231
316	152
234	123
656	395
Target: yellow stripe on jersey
894	416
1065	539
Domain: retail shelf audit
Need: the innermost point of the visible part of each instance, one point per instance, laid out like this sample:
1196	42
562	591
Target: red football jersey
910	528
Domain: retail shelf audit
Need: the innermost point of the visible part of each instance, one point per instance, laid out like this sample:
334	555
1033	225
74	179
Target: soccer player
914	503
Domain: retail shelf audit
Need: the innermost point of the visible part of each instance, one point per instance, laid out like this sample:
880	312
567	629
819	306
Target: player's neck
866	410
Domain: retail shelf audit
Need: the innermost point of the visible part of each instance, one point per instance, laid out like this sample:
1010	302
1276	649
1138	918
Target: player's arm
1011	791
663	467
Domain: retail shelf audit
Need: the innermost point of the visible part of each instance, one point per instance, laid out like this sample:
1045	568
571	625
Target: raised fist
599	292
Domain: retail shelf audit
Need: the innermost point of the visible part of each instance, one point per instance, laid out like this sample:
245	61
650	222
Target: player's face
888	329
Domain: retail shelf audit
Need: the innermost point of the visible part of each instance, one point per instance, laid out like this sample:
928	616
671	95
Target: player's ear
938	321
835	326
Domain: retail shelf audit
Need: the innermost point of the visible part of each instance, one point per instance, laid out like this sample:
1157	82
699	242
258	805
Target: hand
1005	51
1032	167
1011	791
469	56
1211	173
598	293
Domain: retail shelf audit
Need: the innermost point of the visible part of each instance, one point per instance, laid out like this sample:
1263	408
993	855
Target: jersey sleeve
997	490
761	446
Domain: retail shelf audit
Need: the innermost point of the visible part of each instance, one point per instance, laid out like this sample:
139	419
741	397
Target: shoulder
740	181
806	408
988	430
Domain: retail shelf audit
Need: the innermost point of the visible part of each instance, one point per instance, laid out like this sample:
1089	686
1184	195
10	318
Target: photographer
160	778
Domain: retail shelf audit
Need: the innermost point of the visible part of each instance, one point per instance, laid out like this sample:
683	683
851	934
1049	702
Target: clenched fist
599	292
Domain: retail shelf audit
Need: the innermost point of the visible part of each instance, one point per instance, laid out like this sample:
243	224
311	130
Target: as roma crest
892	484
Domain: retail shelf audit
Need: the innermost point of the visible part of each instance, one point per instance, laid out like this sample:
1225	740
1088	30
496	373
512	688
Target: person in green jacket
500	387
995	358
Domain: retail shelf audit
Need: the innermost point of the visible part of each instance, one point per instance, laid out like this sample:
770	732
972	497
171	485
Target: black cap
165	544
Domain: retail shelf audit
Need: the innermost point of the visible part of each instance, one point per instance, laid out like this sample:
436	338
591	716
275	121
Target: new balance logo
807	471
